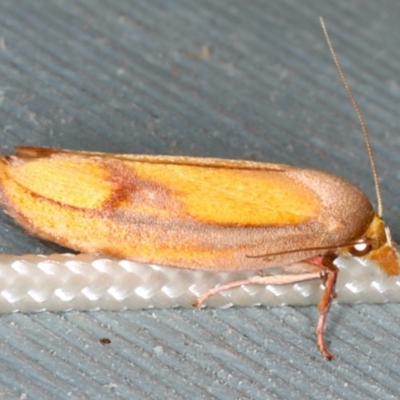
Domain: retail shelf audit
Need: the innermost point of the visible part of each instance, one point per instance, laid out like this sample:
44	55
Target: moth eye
360	249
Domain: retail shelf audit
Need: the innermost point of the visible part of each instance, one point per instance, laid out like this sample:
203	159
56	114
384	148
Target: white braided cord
62	282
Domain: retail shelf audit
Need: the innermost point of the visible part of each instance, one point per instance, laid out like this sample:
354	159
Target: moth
200	213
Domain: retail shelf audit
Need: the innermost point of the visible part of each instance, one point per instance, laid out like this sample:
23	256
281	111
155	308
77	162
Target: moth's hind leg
260	280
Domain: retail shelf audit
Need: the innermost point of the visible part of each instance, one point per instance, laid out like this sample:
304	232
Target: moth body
208	214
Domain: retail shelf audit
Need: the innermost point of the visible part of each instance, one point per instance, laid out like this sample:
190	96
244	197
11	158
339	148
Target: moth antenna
268	255
359	115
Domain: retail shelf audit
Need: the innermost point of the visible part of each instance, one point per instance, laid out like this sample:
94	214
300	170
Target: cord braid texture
63	282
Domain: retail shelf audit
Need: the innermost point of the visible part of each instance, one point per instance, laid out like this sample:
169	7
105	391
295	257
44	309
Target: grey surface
124	77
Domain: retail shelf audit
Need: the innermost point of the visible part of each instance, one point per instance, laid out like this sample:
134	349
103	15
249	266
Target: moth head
377	245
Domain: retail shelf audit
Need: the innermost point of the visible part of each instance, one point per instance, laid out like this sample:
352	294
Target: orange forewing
185	212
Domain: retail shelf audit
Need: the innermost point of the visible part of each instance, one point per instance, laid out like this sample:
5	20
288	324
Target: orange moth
200	213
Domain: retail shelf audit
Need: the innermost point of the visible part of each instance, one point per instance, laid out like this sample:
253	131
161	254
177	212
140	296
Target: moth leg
329	278
261	280
318	267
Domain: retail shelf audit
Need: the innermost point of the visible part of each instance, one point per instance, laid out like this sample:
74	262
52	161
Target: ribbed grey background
126	77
